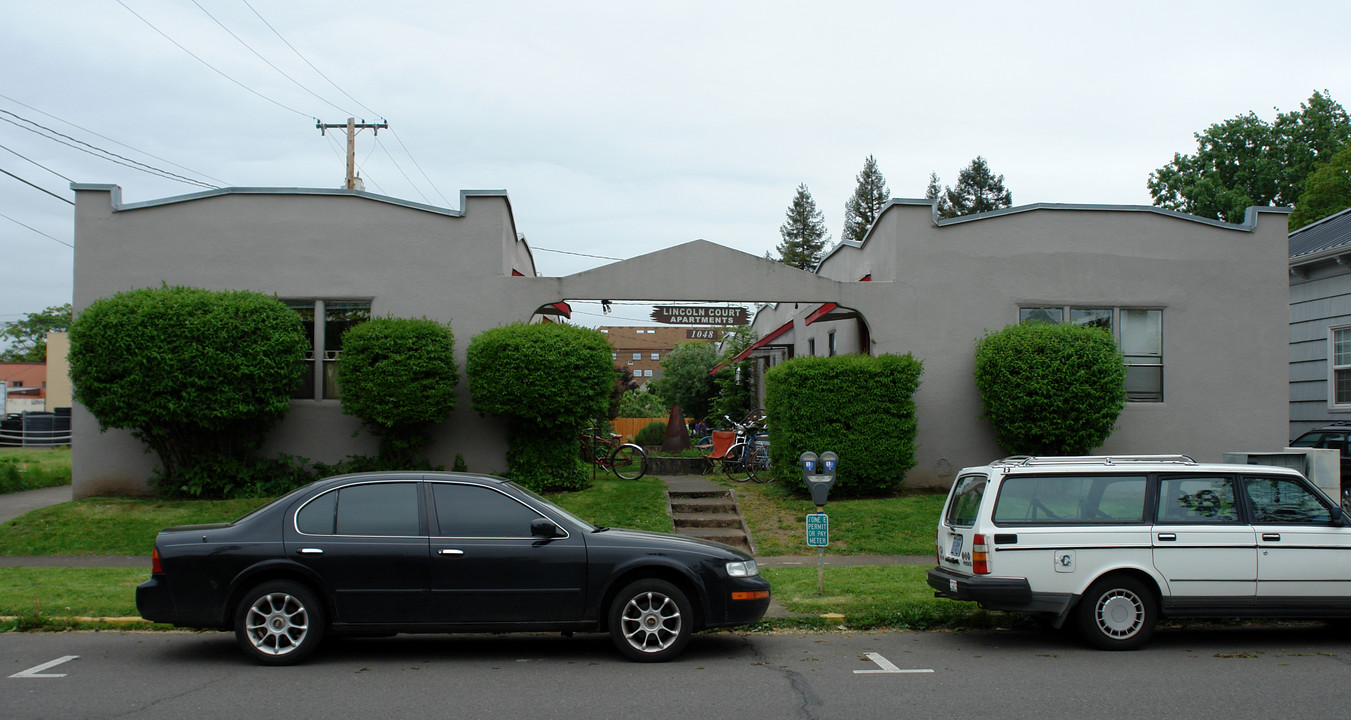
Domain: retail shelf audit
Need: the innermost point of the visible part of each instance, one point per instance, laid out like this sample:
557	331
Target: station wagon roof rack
1029	460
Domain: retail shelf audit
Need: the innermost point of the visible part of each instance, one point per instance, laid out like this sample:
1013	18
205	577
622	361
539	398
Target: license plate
956	546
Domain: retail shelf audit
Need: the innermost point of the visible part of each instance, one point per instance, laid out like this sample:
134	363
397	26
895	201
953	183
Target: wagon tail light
155	566
980	555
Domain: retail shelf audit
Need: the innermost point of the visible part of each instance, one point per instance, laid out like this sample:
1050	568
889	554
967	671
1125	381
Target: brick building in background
640	349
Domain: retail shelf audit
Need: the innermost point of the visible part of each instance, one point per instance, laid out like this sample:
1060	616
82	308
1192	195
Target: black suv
1335	436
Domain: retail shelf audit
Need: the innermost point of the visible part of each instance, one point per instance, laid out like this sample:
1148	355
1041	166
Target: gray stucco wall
408	260
1222	289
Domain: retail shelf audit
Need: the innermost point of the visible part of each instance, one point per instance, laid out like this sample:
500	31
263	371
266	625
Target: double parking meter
819	474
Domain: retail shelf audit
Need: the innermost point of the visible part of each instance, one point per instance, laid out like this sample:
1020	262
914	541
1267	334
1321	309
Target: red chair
722	442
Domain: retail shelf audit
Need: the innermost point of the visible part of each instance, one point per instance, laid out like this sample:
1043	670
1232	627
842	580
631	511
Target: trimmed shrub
399	375
651	434
549	380
860	407
199	376
1050	389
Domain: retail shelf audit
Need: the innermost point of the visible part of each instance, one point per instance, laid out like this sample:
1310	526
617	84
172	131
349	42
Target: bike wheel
629	461
761	465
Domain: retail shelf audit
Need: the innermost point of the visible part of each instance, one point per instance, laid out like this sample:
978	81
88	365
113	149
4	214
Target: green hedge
548	380
860	407
651	434
399	375
1050	389
199	376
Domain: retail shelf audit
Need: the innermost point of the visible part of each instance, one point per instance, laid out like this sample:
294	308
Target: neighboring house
640	349
25	387
1320	323
1197	306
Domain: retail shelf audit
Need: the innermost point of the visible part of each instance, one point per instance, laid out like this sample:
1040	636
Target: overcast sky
620	128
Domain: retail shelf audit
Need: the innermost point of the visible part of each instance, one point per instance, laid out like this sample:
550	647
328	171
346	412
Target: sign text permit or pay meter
818	530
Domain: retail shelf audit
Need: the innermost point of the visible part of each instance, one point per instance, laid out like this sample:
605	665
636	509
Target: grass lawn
900	525
33	468
874	596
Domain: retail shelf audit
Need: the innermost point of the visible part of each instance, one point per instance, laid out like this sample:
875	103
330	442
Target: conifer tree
870	198
978	190
804	233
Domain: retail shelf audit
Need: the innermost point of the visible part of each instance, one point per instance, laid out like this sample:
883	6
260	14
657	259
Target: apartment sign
700	315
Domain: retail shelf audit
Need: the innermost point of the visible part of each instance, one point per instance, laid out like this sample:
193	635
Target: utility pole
351	126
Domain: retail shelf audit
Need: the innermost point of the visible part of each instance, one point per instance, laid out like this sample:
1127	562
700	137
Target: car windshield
584	525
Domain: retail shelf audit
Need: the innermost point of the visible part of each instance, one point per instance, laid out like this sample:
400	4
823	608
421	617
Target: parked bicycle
743	452
627	460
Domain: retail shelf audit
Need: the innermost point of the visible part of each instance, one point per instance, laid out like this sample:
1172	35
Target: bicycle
742	451
627	460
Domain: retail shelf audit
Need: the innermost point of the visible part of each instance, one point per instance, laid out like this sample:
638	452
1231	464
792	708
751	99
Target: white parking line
887	666
36	672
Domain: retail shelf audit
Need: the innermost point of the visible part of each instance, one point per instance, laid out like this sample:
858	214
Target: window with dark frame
1139	335
320	379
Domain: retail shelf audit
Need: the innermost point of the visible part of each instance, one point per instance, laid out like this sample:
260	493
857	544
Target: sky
622	128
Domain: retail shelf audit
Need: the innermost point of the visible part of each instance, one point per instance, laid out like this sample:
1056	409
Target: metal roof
1329	234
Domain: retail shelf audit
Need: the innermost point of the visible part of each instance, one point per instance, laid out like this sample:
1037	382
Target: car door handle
1167	536
449	551
311	551
1273	537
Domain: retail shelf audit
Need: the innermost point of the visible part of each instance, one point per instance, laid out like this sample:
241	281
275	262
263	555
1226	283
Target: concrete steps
710	513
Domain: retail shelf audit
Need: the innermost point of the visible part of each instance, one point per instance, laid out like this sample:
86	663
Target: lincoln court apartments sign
700	315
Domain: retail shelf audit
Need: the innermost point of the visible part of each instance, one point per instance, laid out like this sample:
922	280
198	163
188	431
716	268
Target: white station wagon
1113	543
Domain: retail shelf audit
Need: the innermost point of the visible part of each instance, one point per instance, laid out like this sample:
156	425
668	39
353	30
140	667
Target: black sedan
383	553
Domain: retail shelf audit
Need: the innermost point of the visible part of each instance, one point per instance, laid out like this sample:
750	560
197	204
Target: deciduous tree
27	338
1244	161
1327	191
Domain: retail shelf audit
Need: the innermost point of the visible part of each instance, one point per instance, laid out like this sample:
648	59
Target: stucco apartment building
1201	306
1197	306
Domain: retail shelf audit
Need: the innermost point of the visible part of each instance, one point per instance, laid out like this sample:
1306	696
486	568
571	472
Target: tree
199	376
978	190
1244	161
1327	191
736	383
399	375
549	380
685	380
870	198
1050	389
28	337
804	233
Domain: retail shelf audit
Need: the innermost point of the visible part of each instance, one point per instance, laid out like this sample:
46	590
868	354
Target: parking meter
818	484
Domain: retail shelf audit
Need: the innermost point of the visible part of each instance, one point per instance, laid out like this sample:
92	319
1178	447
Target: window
1196	499
831	347
656	356
464	511
1283	500
1071	500
320	379
965	504
811	347
647	373
1139	334
376	509
1339	354
637	356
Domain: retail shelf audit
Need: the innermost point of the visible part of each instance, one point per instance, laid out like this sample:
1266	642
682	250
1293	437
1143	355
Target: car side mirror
544	528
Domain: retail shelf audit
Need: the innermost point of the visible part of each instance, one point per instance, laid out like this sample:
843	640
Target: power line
265	60
419	167
35	162
370	112
36	187
566	252
209	65
30	227
401	172
143	167
111	140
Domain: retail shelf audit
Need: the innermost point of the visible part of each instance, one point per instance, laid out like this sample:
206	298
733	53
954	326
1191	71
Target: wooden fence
630	426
